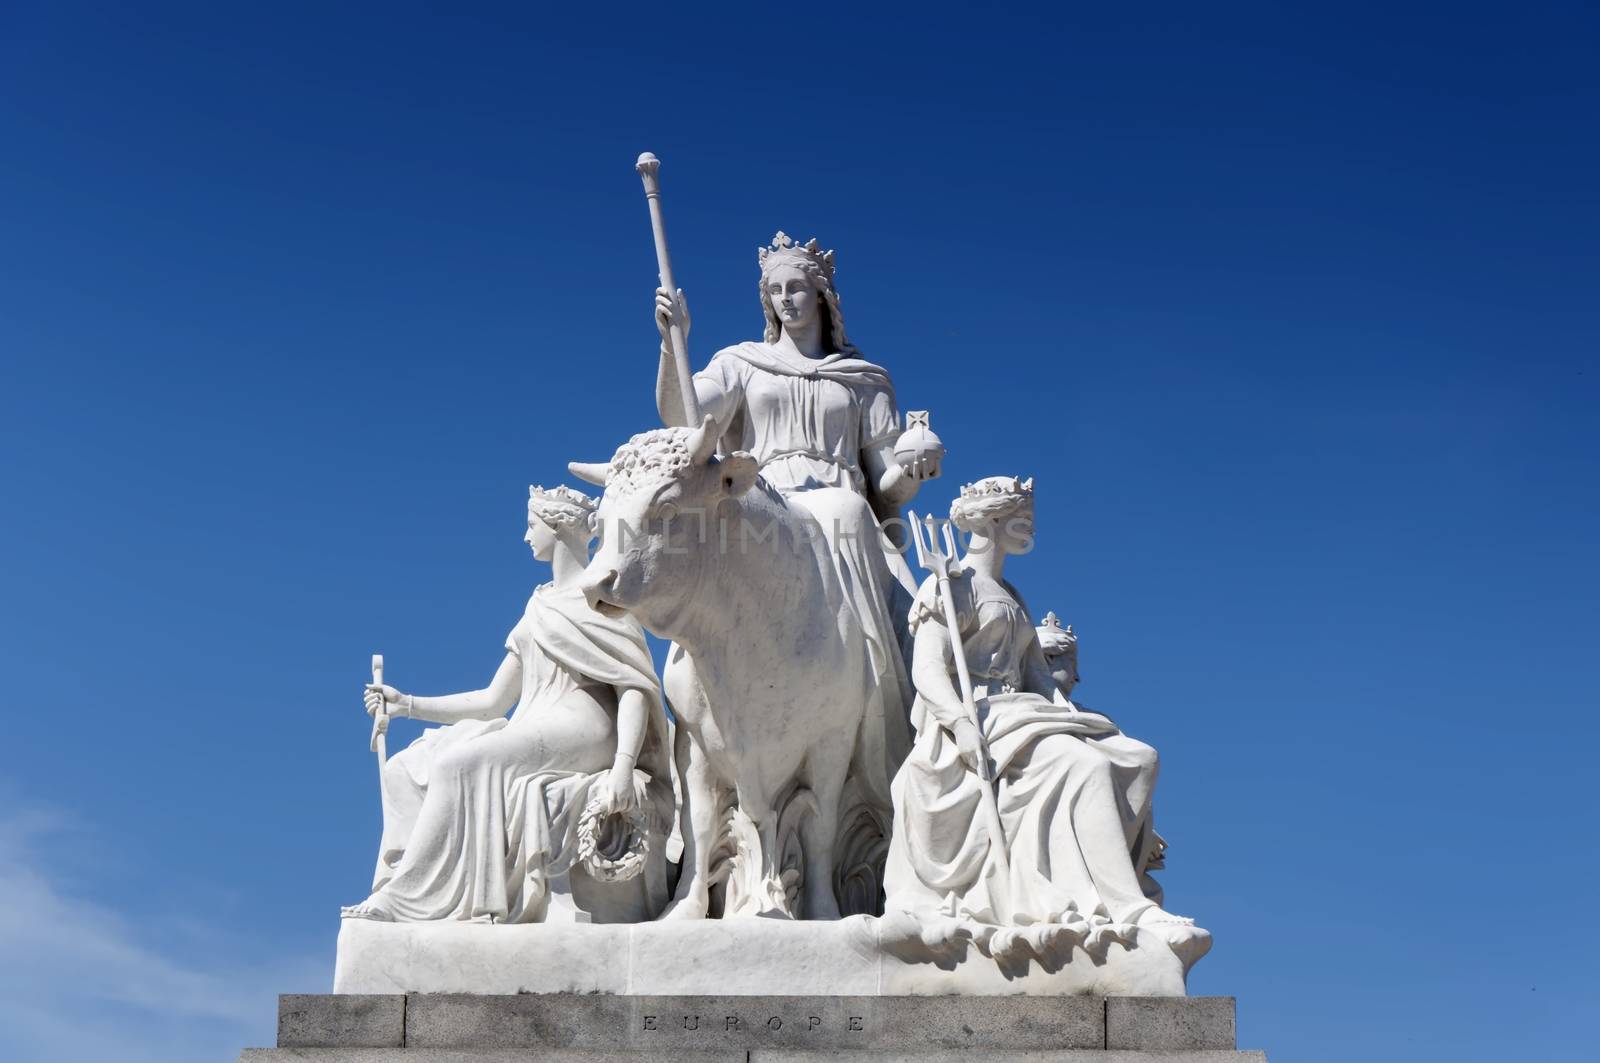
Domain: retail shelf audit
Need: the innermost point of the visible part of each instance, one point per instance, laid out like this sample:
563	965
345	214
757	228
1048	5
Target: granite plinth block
1035	1055
523	1055
606	1028
1151	1023
359	1020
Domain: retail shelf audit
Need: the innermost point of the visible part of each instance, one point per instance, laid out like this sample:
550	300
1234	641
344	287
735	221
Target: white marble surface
1020	818
730	957
544	813
790	688
837	734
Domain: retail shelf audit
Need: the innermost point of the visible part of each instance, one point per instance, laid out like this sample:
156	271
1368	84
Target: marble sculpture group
831	737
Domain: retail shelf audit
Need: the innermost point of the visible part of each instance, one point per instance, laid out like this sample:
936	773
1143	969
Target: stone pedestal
716	957
588	1028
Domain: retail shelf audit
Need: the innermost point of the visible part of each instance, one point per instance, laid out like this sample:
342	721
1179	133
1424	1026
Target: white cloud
80	981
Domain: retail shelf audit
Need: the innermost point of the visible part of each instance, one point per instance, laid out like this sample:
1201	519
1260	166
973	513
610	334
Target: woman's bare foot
367	909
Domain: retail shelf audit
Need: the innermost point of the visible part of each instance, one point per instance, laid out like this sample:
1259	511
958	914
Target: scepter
649	166
943	564
379	743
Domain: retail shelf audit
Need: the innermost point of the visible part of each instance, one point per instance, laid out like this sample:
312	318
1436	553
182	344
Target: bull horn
593	472
703	443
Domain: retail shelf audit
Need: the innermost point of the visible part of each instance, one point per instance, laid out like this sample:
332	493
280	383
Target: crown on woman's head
998	485
804	255
1056	640
561	493
1052	624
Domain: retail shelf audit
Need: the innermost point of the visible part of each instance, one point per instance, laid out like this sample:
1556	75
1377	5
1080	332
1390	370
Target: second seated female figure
1068	870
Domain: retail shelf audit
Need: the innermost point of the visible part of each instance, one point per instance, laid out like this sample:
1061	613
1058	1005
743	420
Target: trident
939	558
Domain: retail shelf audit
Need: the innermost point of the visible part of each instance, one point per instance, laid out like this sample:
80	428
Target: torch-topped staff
649	167
941	561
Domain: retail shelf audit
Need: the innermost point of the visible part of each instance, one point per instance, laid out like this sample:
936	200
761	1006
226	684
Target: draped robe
479	815
807	422
1073	792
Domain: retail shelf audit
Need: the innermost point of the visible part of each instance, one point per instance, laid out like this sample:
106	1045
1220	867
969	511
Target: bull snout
600	591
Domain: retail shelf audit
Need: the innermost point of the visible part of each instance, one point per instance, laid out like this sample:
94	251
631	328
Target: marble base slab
715	957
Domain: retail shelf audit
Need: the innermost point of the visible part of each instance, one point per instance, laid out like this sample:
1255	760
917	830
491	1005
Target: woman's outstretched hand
671	309
383	699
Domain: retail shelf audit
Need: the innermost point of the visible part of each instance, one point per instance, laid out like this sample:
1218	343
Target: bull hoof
823	908
686	908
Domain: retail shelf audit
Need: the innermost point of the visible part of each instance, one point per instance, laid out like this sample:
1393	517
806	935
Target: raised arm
492	702
712	398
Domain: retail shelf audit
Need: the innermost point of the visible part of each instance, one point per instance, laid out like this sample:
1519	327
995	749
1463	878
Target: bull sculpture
769	678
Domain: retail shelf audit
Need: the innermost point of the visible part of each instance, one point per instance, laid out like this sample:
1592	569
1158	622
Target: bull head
654	520
702	445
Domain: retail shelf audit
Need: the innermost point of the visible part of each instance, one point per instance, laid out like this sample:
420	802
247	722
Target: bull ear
590	471
738	472
703	443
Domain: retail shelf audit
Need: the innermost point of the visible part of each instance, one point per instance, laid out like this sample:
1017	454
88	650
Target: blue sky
1292	314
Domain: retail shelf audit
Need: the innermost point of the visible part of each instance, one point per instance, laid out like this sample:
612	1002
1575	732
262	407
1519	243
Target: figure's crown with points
1052	624
561	493
999	485
1056	640
809	253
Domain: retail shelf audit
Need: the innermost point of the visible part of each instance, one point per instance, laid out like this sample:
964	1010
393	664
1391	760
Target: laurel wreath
613	845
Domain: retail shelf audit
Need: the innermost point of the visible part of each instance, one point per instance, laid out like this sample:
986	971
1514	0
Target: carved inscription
730	1023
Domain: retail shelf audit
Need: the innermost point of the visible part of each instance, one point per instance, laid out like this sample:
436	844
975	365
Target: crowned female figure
559	808
801	399
822	423
1066	825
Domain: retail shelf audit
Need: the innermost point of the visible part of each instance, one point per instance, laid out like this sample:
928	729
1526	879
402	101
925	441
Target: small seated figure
1065	782
559	811
1135	764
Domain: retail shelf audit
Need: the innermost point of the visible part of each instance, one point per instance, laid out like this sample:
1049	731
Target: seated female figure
482	816
1062	794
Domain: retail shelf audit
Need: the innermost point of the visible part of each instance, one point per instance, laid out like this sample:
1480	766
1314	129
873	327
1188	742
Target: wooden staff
649	167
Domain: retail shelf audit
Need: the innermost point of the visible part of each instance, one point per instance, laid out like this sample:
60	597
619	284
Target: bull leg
825	770
699	827
771	900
